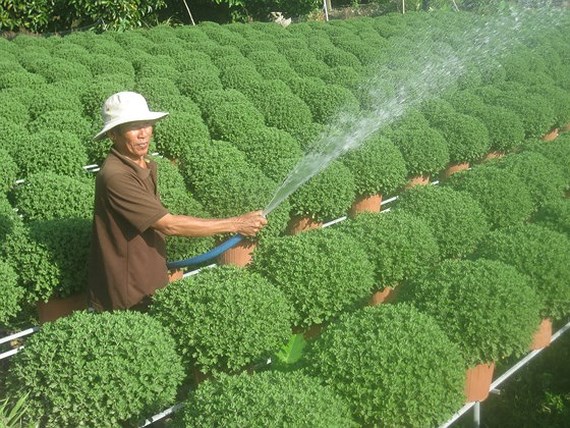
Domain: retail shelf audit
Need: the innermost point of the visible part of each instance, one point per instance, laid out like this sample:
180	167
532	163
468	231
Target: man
128	254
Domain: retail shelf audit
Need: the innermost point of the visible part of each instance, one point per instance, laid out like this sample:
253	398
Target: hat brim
150	116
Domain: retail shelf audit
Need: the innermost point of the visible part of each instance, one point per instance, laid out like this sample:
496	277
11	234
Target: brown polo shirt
128	258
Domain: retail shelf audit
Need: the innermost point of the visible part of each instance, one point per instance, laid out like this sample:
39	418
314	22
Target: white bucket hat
125	107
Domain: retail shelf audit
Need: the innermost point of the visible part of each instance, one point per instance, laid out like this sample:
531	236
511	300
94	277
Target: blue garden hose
212	254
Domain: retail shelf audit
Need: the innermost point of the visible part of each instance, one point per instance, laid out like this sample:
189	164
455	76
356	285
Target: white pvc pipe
19	334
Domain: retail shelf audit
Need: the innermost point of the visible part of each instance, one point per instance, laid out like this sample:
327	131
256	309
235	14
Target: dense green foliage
9	172
101	370
11	294
542	254
265	399
454	217
321	273
393	385
224	319
486	307
555	215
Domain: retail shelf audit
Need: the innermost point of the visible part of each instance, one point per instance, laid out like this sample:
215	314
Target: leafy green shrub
97	369
48	196
399	244
321	273
305	64
62	153
486	307
265	399
223	319
13	110
240	77
557	152
180	133
272	150
467	137
558	98
71	121
455	218
229	115
17	79
542	254
9	219
326	101
11	294
50	256
9	172
50	97
12	136
383	361
97	92
543	179
555	215
326	196
423	148
377	166
504	198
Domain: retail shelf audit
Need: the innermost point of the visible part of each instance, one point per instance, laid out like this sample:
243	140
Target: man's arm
181	225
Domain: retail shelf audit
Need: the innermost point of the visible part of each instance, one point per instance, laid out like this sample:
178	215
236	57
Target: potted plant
504	198
47	196
108	369
50	258
541	253
455	218
378	169
486	307
467	137
543	178
399	244
326	196
11	293
411	375
423	148
321	272
224	319
264	399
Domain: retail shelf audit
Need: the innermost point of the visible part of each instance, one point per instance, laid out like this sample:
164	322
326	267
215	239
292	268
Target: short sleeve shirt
128	257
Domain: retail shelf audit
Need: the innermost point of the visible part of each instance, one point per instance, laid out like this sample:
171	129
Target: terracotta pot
478	380
387	295
57	307
543	335
551	135
300	224
419	180
493	155
240	255
453	168
175	275
371	204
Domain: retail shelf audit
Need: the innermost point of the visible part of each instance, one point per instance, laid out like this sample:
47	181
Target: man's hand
251	223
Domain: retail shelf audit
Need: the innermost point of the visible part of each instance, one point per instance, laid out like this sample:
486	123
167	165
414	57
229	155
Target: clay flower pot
371	203
543	335
478	380
300	224
419	180
57	307
240	255
453	168
550	136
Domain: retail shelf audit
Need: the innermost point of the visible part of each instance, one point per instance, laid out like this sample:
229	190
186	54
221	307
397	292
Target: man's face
133	139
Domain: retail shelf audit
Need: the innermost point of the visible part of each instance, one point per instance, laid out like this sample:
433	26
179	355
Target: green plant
223	319
11	294
455	218
12	109
265	399
12	136
504	198
377	166
423	148
64	120
399	244
555	215
49	256
47	196
9	218
179	133
542	254
11	414
62	153
96	369
542	177
485	306
383	361
321	273
326	196
203	78
467	137
557	152
9	172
